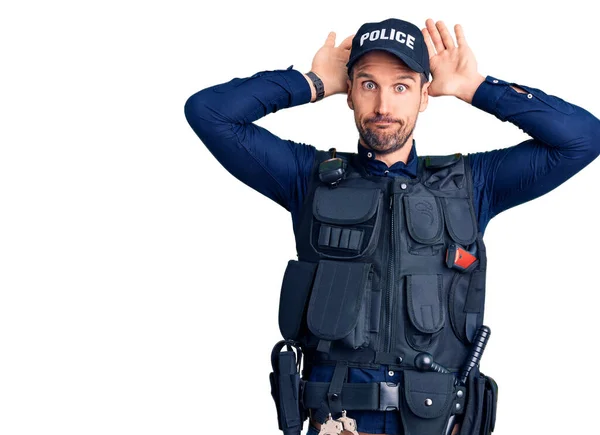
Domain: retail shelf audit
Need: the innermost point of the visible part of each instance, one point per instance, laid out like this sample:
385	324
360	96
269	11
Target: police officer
385	302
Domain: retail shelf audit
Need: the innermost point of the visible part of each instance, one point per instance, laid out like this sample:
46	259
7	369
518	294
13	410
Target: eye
401	86
369	85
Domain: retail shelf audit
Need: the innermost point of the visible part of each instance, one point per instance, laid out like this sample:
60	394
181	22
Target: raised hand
330	64
453	66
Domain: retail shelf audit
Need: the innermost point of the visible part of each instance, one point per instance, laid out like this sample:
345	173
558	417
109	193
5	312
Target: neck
400	155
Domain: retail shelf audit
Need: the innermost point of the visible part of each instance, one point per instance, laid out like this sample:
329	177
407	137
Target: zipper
390	286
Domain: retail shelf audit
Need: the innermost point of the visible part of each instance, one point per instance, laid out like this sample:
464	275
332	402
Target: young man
387	296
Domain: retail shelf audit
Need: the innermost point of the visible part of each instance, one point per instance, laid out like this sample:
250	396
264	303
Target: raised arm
565	137
223	118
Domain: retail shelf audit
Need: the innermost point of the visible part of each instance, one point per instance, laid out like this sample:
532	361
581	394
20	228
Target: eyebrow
369	76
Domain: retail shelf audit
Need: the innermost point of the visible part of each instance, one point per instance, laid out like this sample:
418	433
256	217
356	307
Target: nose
382	106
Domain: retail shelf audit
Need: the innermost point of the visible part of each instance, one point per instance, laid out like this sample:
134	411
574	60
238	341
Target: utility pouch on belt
480	408
286	387
428	400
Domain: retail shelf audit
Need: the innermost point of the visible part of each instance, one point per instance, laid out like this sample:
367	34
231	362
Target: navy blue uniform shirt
564	139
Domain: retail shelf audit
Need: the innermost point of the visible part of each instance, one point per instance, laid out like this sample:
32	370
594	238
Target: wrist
313	91
317	87
468	90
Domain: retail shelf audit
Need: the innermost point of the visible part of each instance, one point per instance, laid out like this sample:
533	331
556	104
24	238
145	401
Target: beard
385	140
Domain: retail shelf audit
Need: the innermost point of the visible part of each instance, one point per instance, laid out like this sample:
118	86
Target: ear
424	97
349	98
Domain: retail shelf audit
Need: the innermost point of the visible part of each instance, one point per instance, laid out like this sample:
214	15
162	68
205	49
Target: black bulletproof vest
372	284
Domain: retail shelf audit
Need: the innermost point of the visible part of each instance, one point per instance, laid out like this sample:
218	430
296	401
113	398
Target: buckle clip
389	396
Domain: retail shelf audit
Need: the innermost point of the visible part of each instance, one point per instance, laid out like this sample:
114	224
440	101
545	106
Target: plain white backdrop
139	280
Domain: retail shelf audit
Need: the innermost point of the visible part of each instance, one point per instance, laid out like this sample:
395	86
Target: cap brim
412	64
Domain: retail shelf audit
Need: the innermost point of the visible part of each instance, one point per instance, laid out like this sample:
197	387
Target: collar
377	167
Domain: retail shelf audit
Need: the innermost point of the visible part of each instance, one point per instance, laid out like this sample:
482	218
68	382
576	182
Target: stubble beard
382	141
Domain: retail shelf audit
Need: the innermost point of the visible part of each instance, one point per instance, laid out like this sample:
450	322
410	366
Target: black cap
395	36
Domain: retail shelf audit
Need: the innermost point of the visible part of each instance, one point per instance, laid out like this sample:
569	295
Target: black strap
334	395
420	168
365	358
289	344
366	396
357	165
331	401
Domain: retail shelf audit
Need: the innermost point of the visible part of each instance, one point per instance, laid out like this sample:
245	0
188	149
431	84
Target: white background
140	280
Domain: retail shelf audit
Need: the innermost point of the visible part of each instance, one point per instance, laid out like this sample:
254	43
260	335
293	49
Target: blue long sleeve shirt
564	139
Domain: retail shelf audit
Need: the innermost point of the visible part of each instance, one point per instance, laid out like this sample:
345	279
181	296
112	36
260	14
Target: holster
286	387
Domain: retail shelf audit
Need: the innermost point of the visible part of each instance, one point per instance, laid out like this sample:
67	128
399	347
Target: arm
565	139
223	118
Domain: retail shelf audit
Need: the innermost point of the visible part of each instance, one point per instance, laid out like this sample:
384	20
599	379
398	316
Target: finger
330	42
460	35
430	47
445	34
346	44
435	35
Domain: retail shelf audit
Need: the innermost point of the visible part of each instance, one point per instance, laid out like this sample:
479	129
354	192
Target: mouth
381	122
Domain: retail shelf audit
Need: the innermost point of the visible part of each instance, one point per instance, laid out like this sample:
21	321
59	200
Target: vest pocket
339	307
425	225
460	220
293	299
346	221
424	303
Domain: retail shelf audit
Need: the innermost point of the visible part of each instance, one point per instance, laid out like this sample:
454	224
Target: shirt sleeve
565	138
222	116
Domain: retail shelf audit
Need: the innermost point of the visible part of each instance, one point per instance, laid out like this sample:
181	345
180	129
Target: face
386	97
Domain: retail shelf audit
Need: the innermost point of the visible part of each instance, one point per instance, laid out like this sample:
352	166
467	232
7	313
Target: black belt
374	396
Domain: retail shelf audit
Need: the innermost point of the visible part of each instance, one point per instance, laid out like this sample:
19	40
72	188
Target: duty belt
374	396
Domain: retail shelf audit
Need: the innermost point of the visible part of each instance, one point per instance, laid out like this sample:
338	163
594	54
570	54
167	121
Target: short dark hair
424	78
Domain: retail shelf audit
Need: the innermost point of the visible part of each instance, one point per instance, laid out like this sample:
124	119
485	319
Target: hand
453	69
330	64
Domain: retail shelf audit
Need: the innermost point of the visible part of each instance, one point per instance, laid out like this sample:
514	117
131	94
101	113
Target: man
386	298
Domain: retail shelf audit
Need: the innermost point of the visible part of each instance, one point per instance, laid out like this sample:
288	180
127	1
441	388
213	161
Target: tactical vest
378	281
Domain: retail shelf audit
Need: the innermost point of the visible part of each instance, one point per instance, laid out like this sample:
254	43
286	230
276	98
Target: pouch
490	401
425	310
339	307
346	221
480	409
293	298
460	219
427	402
444	173
425	224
